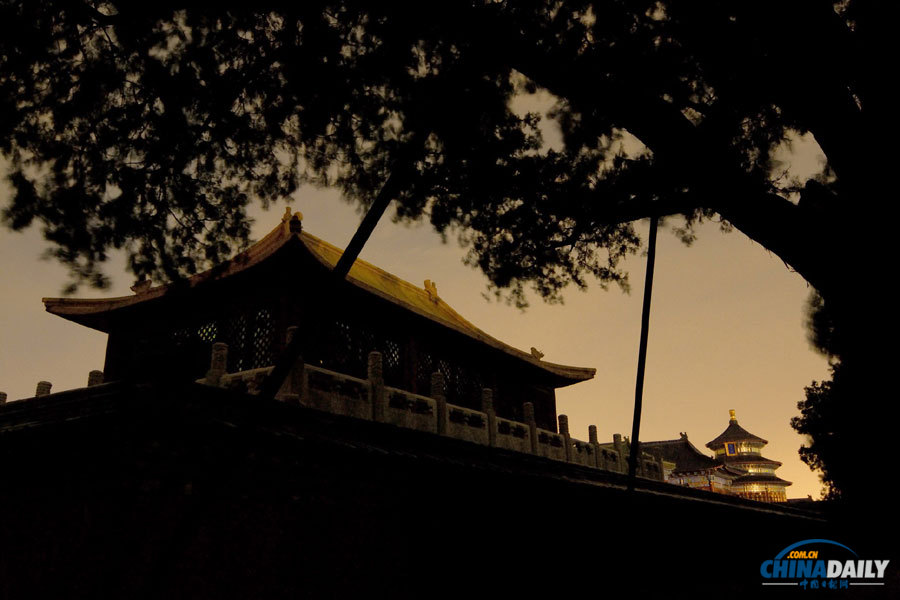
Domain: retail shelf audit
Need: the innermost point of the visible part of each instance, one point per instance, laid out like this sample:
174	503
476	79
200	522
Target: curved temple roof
683	453
734	433
750	459
94	313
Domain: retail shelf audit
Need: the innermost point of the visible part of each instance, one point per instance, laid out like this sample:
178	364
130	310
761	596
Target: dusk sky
726	328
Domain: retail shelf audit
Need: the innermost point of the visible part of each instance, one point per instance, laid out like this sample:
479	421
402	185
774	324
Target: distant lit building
738	468
737	448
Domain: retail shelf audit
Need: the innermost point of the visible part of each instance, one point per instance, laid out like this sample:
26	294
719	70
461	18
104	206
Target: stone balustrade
43	388
372	400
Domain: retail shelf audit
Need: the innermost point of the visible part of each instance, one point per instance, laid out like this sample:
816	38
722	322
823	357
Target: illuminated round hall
739	449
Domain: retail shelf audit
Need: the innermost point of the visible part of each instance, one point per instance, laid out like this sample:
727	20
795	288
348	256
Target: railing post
528	409
376	385
620	451
217	363
487	407
564	432
43	388
439	393
95	378
592	440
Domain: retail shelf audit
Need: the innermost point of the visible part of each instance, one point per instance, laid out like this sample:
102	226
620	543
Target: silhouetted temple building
283	280
737	448
375	347
692	468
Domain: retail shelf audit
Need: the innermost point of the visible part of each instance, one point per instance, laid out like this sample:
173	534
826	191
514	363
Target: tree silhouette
149	127
826	404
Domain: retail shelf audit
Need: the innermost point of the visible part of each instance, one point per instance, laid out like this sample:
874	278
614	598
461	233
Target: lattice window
392	361
424	369
262	336
353	349
181	335
448	371
249	336
463	385
235	335
347	351
468	386
208	332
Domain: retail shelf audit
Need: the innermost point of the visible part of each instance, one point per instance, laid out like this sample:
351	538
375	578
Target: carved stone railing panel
466	424
550	445
582	453
249	381
512	435
610	461
405	409
336	393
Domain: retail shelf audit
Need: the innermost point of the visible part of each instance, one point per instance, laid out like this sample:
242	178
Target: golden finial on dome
731	413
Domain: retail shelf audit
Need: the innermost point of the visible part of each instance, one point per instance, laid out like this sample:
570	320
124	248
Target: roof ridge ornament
292	223
431	290
142	286
731	414
537	353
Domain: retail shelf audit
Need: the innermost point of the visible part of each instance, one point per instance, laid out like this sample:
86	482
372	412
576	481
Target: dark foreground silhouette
139	491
